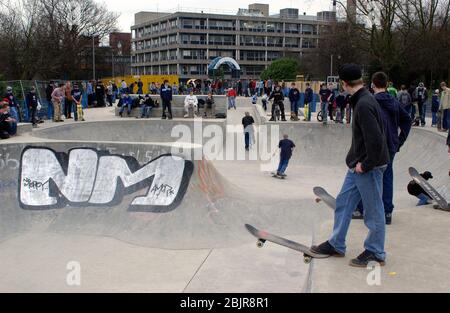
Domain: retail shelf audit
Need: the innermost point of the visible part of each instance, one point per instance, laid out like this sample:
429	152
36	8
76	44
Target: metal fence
22	87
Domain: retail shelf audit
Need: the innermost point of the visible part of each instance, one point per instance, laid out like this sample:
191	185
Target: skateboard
264	236
442	203
323	195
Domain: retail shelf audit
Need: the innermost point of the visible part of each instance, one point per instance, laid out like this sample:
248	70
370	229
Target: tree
45	38
282	69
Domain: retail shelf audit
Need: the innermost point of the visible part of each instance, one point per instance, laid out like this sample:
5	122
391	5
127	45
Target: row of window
250	26
251	70
226	40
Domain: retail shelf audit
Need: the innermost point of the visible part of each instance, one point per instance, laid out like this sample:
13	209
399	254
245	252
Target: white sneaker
186	116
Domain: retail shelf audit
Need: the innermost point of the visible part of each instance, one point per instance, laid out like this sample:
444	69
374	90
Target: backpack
404	99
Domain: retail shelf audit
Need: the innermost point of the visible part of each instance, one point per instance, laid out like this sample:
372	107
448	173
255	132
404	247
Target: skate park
198	243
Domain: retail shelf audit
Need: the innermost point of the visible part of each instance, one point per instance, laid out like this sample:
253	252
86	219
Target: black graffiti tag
35	185
163	189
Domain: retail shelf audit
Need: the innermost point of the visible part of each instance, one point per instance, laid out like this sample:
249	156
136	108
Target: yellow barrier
146	80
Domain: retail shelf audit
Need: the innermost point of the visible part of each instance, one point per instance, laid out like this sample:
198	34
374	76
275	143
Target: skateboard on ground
442	203
264	236
323	195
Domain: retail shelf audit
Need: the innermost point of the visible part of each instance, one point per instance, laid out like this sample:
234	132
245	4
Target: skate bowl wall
327	147
75	188
129	130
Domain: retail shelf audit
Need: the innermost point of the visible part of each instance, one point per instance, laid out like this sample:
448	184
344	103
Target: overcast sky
127	8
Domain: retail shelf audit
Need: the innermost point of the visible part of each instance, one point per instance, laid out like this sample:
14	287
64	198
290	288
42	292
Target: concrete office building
184	43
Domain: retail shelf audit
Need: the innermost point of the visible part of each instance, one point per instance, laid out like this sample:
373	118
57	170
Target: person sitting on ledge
146	106
8	125
127	101
190	101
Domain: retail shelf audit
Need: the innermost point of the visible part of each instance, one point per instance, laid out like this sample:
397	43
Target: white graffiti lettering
85	176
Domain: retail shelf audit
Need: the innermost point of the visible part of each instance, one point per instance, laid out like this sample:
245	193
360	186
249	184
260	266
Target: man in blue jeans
367	160
286	147
397	123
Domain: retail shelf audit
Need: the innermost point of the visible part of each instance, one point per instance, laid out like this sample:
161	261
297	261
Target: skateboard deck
442	203
264	236
323	195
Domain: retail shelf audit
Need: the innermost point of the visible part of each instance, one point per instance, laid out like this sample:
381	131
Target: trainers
357	216
272	120
327	249
389	219
365	258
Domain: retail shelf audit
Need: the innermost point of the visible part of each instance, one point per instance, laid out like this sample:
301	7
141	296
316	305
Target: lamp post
93	55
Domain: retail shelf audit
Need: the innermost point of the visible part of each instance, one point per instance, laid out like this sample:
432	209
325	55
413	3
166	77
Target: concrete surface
202	246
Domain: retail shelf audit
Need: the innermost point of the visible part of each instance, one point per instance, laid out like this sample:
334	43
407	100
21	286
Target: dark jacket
31	100
48	92
166	94
368	140
394	118
277	96
342	100
294	95
309	94
247	121
12	100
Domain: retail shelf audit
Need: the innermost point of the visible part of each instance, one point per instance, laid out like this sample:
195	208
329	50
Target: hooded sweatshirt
394	118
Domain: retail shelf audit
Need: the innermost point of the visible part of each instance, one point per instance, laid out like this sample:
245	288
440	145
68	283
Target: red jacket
231	93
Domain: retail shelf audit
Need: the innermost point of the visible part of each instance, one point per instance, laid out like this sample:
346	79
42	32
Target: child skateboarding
286	148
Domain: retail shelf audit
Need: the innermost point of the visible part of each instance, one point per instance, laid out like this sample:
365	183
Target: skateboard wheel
307	260
260	243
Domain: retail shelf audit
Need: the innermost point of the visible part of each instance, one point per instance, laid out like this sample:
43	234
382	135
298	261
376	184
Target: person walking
397	123
294	98
248	122
367	160
166	95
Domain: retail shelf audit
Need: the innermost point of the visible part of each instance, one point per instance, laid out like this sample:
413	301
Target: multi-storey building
184	43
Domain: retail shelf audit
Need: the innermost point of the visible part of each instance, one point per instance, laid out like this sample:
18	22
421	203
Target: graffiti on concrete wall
86	177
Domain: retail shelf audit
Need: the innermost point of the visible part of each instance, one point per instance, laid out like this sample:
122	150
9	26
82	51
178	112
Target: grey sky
127	8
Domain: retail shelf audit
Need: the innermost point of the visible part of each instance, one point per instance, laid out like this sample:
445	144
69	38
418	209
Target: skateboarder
367	160
286	147
414	189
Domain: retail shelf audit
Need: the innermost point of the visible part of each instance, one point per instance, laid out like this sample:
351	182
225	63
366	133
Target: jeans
231	103
422	109
146	111
14	112
247	140
284	163
49	109
435	118
129	106
324	108
369	188
295	106
166	105
388	186
446	119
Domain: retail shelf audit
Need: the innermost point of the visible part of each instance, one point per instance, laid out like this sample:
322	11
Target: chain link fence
22	87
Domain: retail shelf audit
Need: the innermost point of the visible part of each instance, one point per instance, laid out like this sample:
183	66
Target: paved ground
202	246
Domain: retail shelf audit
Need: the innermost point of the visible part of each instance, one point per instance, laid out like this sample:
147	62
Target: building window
308	43
274	41
274	27
308	30
292	43
292	28
251	26
258	41
221	25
